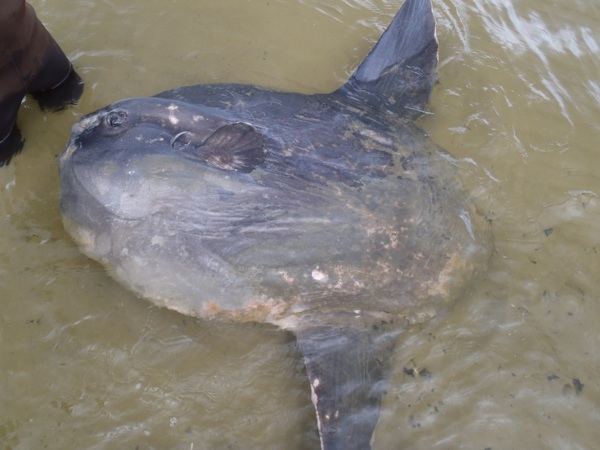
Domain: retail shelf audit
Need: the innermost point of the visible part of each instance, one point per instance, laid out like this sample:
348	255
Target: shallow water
513	364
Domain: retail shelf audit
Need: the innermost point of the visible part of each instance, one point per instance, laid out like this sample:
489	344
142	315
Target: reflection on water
83	364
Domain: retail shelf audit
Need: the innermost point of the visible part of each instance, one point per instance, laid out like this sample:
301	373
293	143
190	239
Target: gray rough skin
332	216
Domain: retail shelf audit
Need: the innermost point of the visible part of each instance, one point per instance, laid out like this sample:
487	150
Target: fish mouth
79	128
67	152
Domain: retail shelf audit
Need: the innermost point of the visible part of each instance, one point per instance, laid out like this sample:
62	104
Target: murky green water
514	364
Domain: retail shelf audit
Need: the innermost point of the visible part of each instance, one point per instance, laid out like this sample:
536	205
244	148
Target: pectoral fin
236	146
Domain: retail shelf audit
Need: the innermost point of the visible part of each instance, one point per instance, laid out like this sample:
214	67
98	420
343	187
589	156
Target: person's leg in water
31	62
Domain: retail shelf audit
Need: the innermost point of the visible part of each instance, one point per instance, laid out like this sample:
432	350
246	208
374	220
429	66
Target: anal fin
348	370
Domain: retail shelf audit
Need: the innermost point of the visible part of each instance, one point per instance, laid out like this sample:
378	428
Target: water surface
513	364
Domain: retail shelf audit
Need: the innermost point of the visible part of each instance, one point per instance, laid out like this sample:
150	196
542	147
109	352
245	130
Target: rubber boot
31	62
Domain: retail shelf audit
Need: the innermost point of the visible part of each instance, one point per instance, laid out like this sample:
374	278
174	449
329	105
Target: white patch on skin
316	383
286	276
319	275
158	240
172	108
196	118
315	402
377	137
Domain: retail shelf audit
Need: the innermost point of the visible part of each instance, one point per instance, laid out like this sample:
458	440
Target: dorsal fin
399	71
236	146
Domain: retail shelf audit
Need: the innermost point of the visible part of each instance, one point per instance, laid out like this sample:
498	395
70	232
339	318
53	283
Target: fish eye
116	117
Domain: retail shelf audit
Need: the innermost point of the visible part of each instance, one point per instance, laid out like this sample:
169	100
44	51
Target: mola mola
332	216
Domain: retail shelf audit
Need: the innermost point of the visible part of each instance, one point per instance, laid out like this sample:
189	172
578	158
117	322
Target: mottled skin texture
332	216
351	216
